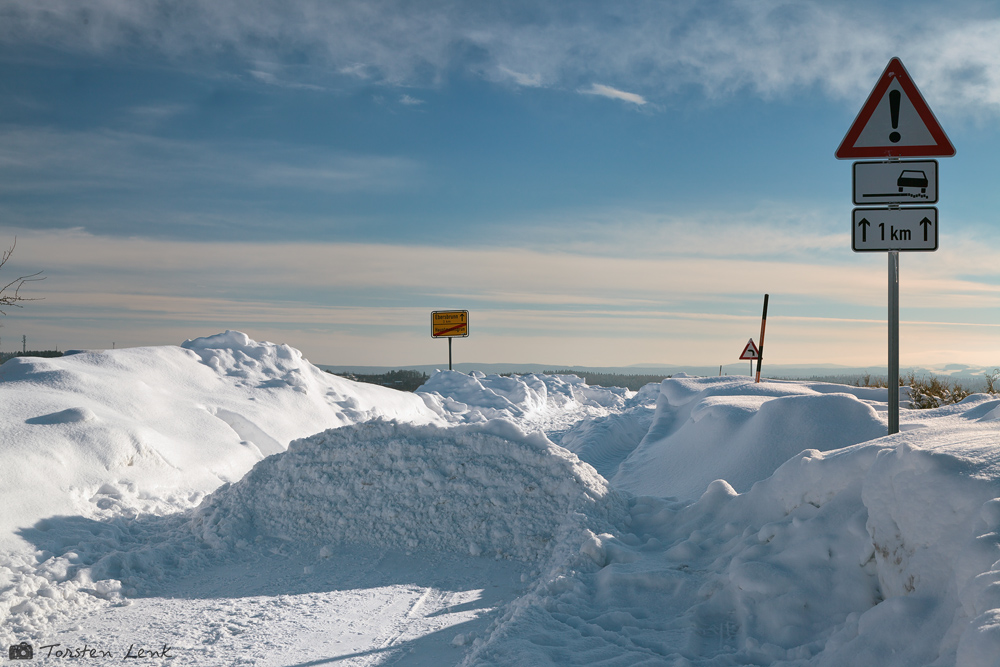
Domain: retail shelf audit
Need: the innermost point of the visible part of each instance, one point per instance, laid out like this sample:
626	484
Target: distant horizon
729	368
737	368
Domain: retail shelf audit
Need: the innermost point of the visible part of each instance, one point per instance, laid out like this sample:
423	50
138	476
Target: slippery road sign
895	121
901	182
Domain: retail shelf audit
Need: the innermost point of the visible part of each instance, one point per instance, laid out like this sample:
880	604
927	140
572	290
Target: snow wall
480	489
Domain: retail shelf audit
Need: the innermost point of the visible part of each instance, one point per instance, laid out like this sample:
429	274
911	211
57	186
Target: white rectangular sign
905	182
875	229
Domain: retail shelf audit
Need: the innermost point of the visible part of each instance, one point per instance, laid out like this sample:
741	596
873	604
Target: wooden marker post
760	347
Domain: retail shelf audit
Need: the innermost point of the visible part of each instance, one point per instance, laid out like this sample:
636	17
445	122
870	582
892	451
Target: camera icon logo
22	651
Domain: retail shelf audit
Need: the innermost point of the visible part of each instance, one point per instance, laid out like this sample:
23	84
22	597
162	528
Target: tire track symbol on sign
750	351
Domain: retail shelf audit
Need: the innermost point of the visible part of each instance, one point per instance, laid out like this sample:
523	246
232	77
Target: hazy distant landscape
972	378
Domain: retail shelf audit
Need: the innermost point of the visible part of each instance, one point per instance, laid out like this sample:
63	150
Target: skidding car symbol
912	179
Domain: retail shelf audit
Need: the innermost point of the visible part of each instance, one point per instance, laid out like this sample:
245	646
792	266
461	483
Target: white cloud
410	101
271	79
613	93
520	78
770	47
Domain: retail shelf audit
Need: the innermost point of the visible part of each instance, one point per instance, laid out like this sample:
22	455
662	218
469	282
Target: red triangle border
895	70
751	346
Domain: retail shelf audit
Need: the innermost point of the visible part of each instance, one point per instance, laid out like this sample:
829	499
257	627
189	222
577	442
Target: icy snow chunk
473	489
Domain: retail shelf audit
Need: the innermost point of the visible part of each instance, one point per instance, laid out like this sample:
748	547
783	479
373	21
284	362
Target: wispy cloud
374	300
158	112
520	78
410	101
774	47
613	93
132	183
272	79
54	161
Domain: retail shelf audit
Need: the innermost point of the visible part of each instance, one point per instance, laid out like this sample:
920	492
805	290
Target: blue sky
597	183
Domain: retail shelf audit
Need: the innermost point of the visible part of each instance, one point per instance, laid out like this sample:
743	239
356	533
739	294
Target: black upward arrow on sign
864	229
925	223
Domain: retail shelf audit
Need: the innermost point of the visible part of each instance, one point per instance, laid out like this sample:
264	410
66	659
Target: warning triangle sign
895	122
750	351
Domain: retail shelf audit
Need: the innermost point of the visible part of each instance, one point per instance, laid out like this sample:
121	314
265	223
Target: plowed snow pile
886	552
734	429
482	490
744	524
156	427
548	403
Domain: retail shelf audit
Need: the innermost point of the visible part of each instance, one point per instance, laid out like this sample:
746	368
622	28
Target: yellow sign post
450	324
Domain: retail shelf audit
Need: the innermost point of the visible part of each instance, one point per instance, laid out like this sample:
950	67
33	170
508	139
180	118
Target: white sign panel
750	351
879	229
904	182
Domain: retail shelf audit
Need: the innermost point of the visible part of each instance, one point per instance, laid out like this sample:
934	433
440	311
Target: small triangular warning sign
750	351
895	122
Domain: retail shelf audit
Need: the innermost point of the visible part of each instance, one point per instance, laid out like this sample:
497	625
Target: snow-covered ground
224	502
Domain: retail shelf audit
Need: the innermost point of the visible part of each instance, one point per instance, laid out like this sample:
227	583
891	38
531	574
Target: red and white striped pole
760	346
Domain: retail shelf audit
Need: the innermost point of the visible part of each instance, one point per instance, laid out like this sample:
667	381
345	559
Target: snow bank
734	429
480	489
605	441
529	400
934	517
161	426
768	537
886	552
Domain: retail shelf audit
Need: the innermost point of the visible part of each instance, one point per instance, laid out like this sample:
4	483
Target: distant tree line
4	356
402	380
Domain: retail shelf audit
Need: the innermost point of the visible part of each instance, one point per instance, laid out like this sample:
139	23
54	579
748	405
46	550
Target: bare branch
8	298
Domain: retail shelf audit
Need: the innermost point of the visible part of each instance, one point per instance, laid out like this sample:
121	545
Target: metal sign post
749	352
895	122
893	341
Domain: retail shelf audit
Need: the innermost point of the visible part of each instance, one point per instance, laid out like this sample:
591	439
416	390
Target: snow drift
536	402
483	490
886	552
163	425
776	525
734	429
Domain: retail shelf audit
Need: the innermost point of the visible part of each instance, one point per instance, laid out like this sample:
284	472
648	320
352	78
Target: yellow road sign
450	324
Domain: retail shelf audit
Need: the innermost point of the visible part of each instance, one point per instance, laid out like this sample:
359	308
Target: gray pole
893	342
449	354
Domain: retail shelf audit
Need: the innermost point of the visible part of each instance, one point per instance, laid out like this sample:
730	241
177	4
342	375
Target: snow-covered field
224	502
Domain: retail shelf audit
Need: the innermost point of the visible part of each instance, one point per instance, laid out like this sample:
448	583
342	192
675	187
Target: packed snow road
224	502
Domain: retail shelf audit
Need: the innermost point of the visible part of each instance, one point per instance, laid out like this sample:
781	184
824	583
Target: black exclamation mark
894	96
